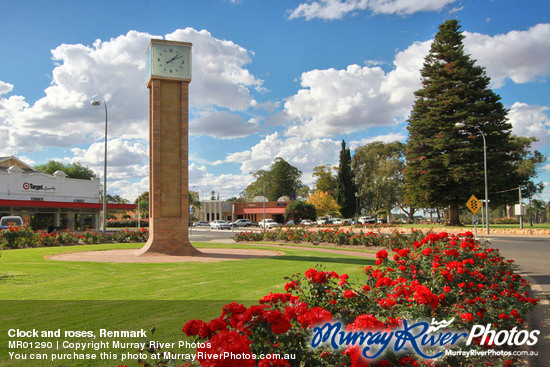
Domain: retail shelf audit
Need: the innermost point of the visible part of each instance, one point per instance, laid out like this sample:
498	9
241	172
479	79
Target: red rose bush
441	277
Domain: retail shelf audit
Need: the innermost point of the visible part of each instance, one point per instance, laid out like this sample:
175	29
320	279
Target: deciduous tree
72	170
282	179
378	169
325	179
324	203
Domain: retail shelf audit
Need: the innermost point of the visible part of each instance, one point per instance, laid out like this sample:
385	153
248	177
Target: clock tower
168	69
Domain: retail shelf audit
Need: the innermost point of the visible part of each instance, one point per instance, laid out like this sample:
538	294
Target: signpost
474	205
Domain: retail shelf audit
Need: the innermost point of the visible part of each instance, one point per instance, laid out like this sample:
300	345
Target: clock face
171	60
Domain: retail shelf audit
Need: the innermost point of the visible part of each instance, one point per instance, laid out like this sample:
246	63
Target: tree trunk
454	218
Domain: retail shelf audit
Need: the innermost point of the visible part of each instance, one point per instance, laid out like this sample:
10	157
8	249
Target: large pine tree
345	188
444	163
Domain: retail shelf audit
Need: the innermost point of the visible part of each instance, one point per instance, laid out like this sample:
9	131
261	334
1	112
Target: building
230	211
47	201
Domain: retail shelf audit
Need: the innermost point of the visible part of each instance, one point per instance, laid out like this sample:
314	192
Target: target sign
26	185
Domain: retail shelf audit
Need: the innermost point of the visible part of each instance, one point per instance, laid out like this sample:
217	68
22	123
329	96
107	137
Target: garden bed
449	279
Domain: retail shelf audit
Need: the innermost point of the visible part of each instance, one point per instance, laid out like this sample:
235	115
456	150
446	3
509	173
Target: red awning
64	204
280	210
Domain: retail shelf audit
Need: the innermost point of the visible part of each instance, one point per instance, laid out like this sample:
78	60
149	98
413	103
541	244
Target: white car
268	223
306	222
242	223
220	224
365	220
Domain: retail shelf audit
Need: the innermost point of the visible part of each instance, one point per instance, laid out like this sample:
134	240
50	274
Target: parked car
306	222
220	224
365	220
242	223
268	223
201	223
336	221
291	223
14	221
322	220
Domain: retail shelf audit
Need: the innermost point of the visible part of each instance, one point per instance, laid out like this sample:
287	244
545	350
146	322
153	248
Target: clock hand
173	58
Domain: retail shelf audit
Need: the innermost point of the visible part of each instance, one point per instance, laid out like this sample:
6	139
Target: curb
536	321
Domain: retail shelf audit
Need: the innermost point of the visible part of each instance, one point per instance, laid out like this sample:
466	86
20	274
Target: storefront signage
30	186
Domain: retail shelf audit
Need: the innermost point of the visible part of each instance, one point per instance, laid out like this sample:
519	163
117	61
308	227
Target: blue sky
270	78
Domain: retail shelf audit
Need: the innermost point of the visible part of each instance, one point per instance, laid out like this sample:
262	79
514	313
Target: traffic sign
473	204
475	220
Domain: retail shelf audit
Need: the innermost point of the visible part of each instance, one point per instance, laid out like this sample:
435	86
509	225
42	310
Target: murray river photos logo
420	336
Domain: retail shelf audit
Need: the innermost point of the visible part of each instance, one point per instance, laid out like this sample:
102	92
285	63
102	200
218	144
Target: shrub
330	235
440	276
505	221
19	237
127	223
126	235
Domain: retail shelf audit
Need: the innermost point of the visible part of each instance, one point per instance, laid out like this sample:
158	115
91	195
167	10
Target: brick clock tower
169	74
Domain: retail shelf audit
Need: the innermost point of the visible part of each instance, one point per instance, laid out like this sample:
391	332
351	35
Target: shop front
47	202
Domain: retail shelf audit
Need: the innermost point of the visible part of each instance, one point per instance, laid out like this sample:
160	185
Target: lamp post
462	125
98	103
356	207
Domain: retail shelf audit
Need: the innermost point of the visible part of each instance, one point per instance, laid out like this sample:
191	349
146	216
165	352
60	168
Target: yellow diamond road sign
473	204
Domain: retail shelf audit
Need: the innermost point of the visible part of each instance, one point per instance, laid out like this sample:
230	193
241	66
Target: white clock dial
172	60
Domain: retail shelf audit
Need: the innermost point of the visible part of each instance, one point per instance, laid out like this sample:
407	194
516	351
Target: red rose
279	322
316	315
226	341
366	322
349	294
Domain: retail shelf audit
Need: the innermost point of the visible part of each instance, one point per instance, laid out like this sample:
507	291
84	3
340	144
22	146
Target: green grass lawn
27	275
37	293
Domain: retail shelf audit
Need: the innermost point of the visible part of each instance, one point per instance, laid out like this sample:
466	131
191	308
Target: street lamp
462	125
98	103
356	207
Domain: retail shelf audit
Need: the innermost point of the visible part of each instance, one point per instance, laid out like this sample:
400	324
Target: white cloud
388	138
338	101
343	101
223	125
522	56
227	185
128	189
114	70
337	9
124	158
530	121
219	74
5	88
304	154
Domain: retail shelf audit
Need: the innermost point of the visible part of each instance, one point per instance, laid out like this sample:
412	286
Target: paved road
531	254
532	257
